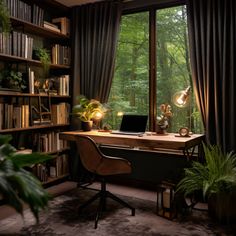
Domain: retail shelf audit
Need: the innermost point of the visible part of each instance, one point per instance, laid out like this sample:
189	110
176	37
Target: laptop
132	125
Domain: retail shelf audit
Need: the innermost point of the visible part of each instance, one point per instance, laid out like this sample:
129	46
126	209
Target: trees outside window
130	87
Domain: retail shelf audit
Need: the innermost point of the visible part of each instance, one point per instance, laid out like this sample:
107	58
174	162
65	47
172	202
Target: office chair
101	165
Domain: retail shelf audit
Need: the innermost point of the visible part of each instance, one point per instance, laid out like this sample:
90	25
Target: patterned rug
61	218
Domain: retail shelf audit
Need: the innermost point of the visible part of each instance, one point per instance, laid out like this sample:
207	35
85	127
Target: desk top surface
169	141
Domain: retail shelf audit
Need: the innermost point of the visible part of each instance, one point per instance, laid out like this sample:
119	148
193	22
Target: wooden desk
155	141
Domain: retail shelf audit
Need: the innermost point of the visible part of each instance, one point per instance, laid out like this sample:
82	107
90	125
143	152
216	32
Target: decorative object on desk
17	185
88	111
105	128
184	132
11	79
5	23
215	179
162	120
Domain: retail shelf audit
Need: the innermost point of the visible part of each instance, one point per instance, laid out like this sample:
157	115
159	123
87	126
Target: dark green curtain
96	28
212	38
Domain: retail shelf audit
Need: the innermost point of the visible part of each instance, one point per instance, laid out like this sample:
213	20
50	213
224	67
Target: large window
130	87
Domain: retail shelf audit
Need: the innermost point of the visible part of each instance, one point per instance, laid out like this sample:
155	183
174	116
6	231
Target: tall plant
5	24
18	185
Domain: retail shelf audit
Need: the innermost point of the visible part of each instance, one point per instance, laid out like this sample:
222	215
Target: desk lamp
182	99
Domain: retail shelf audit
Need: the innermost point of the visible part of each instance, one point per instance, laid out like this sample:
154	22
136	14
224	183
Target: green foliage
130	86
87	110
18	185
12	79
217	175
44	56
5	24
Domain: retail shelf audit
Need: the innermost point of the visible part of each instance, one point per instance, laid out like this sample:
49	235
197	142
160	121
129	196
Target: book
51	26
63	23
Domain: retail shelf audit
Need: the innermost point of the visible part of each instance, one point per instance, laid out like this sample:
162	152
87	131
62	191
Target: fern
216	175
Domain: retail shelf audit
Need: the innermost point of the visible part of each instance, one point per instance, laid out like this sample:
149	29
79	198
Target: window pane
130	89
173	69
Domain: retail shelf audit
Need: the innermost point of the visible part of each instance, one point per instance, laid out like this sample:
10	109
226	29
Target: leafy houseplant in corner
18	185
88	110
216	179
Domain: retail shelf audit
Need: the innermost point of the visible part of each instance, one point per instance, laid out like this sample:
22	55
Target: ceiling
70	3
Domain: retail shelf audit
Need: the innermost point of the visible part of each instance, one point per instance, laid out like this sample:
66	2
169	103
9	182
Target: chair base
102	195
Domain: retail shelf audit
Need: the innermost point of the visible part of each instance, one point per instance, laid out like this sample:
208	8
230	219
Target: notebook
132	125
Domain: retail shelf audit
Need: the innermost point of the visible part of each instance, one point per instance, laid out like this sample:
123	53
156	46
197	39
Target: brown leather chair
96	162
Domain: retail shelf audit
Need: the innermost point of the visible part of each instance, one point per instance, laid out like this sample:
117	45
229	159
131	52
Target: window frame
132	8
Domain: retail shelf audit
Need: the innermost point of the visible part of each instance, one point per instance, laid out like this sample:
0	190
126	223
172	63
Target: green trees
130	88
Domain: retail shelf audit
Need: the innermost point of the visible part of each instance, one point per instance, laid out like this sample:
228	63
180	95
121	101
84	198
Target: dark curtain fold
96	28
212	32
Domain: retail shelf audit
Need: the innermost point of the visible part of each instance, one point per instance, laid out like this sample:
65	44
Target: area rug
62	218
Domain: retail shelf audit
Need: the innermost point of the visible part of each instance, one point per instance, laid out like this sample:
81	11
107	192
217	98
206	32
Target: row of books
63	82
59	166
30	13
18	116
61	54
55	168
49	142
16	44
14	116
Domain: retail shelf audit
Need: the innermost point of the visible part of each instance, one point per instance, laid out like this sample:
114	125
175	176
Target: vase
161	128
87	125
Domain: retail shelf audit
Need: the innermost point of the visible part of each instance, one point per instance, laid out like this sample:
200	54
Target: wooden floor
56	190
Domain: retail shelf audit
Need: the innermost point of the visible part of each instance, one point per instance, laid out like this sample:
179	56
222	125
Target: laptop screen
133	123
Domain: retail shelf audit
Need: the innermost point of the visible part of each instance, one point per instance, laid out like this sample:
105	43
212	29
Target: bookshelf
36	114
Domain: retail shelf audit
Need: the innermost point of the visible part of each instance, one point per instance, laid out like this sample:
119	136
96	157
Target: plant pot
87	125
160	130
221	207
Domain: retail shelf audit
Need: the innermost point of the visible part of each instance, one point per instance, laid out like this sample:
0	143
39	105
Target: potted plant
17	185
43	55
11	79
87	111
5	24
216	180
162	120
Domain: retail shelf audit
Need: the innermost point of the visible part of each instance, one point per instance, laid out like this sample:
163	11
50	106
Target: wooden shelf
7	57
37	30
6	92
58	151
33	128
51	180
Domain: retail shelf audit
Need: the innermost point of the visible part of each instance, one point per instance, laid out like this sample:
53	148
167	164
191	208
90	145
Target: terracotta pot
87	125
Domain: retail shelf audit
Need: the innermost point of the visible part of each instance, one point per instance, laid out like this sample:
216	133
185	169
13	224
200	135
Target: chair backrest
90	154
